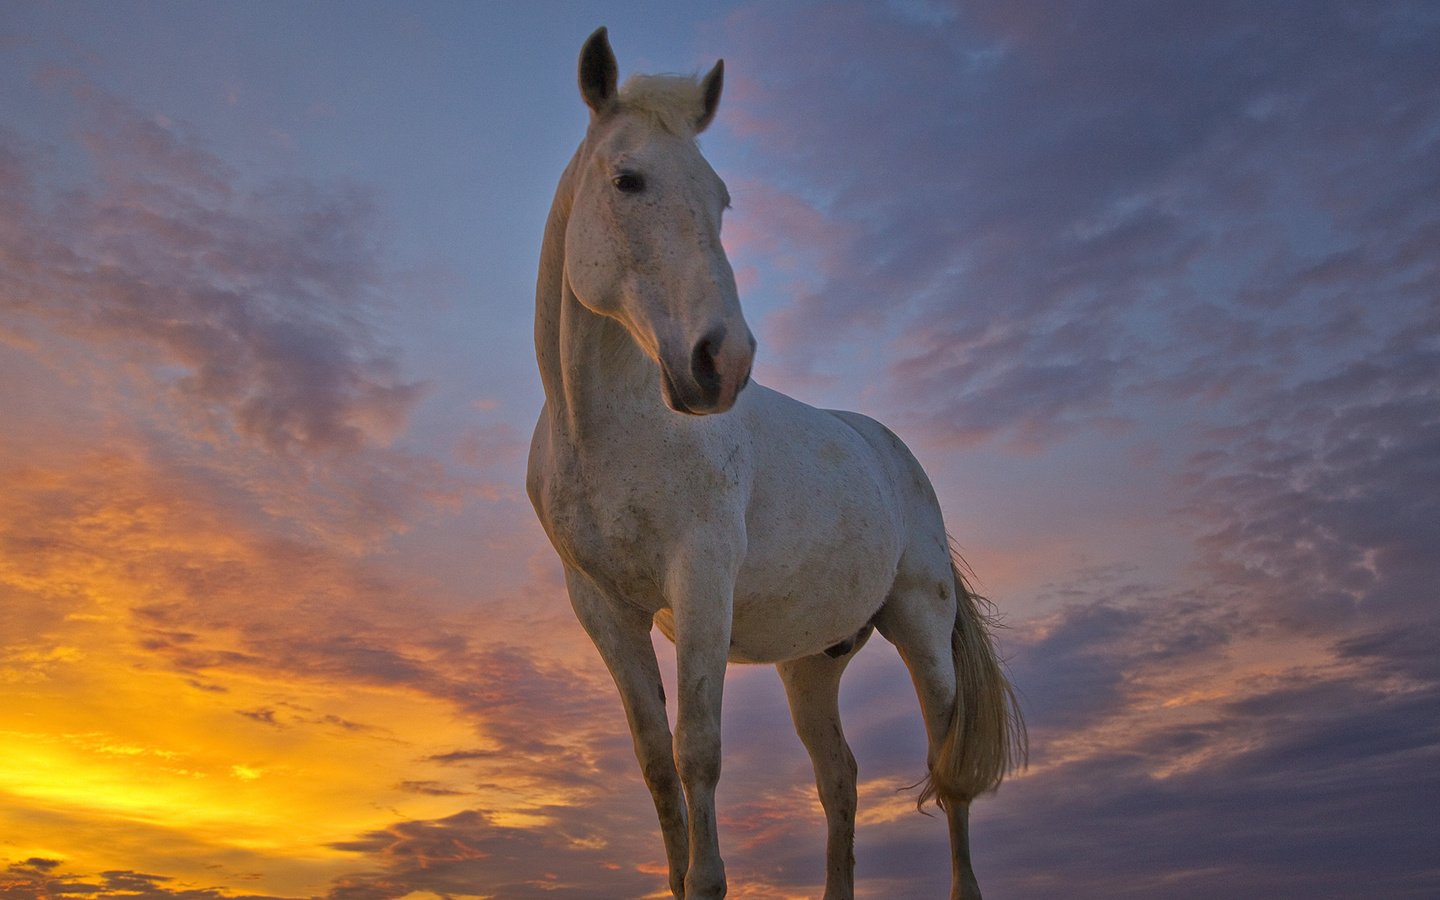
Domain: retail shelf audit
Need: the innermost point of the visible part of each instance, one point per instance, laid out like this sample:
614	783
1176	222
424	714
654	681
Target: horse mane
672	102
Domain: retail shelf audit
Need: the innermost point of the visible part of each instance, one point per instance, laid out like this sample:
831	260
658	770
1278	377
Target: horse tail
987	737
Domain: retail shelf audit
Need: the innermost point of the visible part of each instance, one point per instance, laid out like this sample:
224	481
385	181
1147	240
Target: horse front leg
622	635
702	597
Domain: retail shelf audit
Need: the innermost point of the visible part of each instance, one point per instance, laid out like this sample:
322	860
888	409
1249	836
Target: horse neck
590	367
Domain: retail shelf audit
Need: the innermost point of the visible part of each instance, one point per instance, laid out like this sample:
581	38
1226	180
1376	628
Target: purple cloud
251	303
1048	214
576	856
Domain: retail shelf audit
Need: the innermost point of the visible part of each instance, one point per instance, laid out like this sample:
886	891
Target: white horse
746	525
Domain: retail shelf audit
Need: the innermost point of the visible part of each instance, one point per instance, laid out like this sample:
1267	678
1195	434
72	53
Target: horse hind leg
972	722
812	686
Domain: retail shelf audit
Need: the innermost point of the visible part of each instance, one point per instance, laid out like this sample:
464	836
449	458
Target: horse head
642	245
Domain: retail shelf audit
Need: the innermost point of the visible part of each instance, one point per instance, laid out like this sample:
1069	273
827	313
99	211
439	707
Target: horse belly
807	616
825	532
802	597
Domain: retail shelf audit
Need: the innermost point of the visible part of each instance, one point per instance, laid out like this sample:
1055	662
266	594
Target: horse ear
710	86
598	72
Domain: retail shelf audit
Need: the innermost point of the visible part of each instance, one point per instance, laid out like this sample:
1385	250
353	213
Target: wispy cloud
225	328
249	303
1062	204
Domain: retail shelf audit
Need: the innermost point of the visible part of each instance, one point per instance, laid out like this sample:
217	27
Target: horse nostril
702	362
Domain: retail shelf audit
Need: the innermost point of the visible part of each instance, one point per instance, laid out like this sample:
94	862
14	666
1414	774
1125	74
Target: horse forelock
672	102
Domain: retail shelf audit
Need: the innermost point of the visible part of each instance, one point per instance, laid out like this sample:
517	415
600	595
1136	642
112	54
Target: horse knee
658	770
699	766
697	757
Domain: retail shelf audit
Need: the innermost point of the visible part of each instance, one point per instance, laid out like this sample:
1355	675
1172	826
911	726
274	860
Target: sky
1152	291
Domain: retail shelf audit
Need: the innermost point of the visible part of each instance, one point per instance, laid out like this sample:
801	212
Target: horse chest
607	521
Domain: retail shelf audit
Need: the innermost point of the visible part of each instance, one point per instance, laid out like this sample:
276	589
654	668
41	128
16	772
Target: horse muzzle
710	378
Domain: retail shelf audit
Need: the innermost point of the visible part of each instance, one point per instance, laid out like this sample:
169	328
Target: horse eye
628	182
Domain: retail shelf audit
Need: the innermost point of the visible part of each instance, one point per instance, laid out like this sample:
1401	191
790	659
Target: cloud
1293	777
44	877
230	324
470	853
249	303
1250	726
161	297
1187	746
1317	502
434	788
1061	215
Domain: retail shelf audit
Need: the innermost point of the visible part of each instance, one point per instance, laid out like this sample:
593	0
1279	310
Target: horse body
820	561
815	563
748	526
